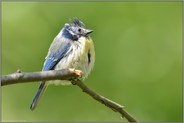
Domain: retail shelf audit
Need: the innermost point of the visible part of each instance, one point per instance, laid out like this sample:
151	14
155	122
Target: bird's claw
77	72
73	82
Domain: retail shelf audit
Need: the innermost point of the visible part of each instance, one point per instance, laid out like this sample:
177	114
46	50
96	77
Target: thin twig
107	102
65	74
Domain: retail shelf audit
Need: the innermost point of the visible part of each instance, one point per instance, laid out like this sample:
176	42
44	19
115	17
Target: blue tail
39	93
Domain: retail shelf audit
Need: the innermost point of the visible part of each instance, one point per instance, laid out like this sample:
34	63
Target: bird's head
76	29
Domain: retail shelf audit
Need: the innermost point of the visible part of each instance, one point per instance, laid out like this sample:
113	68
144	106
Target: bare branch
65	74
107	102
21	77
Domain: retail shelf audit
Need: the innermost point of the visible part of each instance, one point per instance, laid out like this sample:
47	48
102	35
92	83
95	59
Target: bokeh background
138	60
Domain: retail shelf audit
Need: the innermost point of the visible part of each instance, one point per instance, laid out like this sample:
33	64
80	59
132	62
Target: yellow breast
86	53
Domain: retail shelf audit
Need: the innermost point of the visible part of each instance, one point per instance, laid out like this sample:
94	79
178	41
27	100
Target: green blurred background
138	60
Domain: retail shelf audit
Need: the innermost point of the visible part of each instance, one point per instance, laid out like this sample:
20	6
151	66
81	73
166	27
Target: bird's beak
88	31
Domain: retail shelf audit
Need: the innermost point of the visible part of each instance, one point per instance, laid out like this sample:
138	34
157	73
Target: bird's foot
73	81
77	72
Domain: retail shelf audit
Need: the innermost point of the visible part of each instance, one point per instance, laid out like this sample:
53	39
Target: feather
76	22
39	93
49	64
54	58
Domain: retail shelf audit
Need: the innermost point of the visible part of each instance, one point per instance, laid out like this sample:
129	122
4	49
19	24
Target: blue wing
52	59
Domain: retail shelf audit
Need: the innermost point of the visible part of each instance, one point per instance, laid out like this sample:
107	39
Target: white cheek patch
70	32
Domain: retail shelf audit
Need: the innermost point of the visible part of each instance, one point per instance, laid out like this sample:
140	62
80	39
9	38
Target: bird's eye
79	30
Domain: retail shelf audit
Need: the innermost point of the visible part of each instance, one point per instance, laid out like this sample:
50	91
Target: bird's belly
78	59
75	60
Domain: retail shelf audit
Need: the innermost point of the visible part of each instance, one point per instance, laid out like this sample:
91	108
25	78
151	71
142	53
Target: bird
72	48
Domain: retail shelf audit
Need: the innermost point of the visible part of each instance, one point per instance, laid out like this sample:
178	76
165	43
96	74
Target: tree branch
107	102
65	74
21	77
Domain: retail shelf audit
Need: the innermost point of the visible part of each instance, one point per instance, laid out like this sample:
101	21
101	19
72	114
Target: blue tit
71	48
